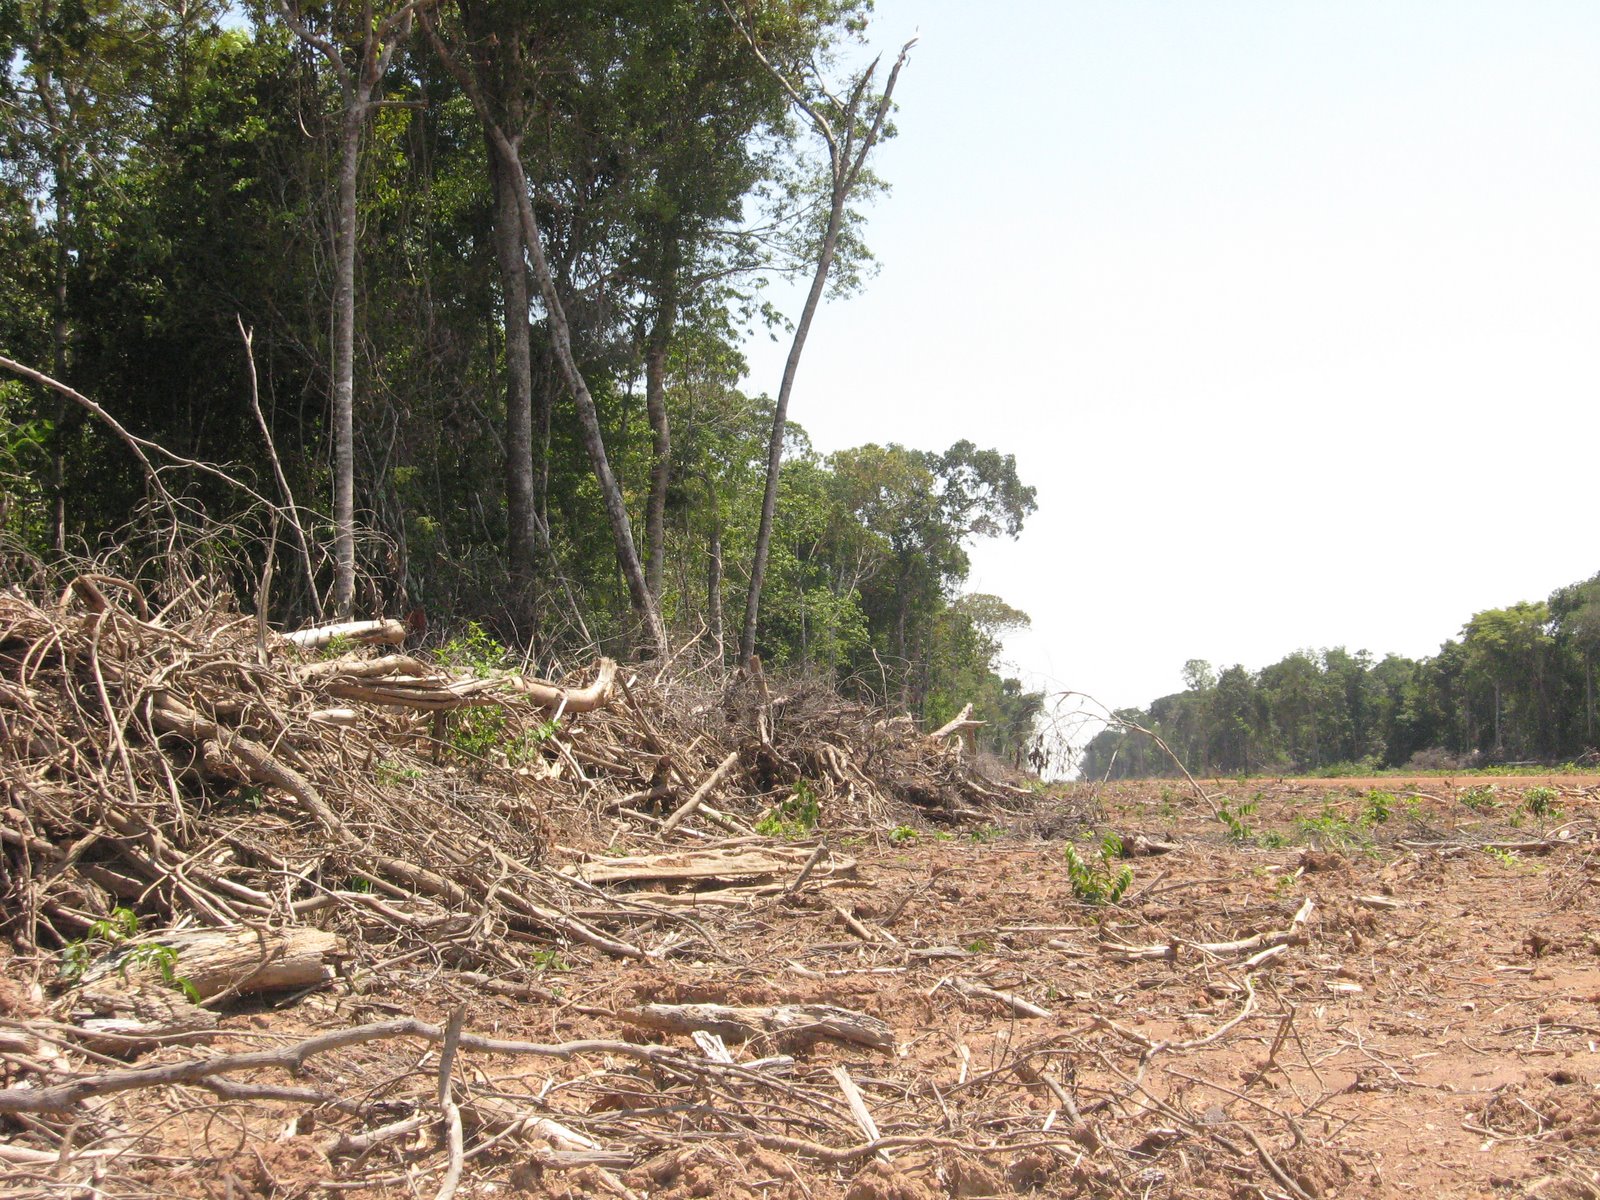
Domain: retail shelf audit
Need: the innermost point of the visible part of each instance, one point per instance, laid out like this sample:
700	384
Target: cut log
400	681
791	1025
124	1017
388	632
233	961
771	863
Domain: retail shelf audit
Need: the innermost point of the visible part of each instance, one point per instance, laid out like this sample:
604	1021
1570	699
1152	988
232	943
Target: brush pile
186	764
203	820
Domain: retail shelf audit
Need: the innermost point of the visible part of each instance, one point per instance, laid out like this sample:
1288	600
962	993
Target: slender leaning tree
849	129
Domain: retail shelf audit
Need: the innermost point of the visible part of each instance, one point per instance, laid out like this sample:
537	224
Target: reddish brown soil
1402	782
1435	1033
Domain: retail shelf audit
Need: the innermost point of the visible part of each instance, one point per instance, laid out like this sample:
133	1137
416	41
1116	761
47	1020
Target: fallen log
792	1025
233	961
721	863
384	632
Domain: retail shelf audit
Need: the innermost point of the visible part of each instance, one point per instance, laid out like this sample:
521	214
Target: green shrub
1095	880
794	816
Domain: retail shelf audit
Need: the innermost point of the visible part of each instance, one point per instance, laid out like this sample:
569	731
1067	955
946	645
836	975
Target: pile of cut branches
171	756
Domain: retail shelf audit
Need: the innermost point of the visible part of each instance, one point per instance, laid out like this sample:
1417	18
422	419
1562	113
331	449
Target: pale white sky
1289	310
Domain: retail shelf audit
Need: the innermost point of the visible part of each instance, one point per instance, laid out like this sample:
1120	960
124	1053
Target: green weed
1378	807
1480	799
112	931
1095	880
900	835
474	648
1331	830
1237	818
1541	802
794	816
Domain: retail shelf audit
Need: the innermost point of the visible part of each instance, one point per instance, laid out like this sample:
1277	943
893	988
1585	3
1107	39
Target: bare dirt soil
1329	993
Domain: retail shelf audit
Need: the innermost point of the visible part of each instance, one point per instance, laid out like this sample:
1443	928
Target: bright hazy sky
1289	310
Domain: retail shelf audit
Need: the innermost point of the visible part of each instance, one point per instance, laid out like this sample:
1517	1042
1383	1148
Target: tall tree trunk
521	517
644	605
60	336
344	340
655	402
846	160
1588	701
714	571
358	89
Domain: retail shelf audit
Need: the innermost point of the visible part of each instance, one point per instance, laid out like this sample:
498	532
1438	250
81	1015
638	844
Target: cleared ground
1412	1007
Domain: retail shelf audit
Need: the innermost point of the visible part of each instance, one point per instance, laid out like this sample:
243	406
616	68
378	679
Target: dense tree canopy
494	260
1517	686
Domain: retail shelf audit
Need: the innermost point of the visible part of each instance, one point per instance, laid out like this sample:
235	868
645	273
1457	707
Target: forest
452	293
1517	686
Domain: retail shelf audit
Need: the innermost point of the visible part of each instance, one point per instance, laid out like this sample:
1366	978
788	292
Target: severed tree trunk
847	155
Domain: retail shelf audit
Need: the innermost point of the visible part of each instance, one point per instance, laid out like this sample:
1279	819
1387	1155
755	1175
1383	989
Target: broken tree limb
800	1024
64	1096
1292	936
382	633
700	793
962	720
858	1107
1021	1007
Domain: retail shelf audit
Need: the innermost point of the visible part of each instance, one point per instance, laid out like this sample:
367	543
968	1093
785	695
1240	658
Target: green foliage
549	960
475	650
1480	799
338	646
1541	802
902	835
795	816
1096	880
110	933
1379	806
390	773
1236	817
1332	830
1519	684
484	732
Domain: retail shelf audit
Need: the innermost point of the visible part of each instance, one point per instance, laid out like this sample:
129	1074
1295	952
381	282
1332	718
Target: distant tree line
496	259
1518	685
